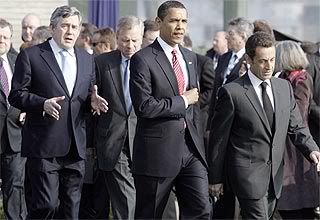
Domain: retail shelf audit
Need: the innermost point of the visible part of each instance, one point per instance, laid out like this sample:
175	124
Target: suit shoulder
110	58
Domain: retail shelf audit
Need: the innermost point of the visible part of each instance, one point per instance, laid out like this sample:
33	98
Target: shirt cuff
185	101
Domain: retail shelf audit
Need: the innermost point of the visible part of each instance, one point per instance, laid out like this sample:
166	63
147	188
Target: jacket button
269	162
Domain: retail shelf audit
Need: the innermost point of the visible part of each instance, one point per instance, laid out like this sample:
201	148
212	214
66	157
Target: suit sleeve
299	132
206	83
219	135
21	96
145	104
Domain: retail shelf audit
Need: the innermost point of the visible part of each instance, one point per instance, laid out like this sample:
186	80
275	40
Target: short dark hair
88	30
150	25
258	39
163	9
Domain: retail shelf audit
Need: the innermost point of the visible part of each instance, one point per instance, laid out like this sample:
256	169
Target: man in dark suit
168	149
51	84
115	130
219	47
253	116
229	64
11	119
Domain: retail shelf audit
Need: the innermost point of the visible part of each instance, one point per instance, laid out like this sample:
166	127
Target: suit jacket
314	119
211	53
219	78
117	124
161	114
10	127
38	77
241	140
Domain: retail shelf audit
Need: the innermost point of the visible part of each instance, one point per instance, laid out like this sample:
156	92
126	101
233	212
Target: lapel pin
190	62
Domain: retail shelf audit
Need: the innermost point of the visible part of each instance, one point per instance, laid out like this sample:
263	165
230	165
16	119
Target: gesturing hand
97	102
52	108
315	157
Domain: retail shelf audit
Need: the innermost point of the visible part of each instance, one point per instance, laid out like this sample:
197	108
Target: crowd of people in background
131	123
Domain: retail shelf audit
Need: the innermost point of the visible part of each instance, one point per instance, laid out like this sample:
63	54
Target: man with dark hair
168	148
150	33
52	83
104	41
11	121
85	38
253	116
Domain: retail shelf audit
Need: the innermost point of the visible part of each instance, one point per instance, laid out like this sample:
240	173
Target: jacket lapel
166	67
81	65
254	100
277	102
49	58
193	77
115	72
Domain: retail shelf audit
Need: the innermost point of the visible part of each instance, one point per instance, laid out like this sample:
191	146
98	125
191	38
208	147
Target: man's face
29	24
173	26
235	40
5	40
129	41
66	32
149	37
220	43
262	65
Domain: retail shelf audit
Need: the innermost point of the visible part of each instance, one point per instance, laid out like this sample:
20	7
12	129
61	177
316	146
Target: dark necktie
126	90
178	71
267	104
4	79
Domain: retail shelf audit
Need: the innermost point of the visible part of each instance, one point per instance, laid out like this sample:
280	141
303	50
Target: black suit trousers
191	185
56	187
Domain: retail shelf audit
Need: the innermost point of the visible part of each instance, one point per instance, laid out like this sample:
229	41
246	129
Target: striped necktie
178	72
4	78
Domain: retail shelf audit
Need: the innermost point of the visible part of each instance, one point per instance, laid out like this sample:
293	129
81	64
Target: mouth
68	39
178	35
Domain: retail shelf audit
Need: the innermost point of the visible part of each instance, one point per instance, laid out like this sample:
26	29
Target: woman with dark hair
299	194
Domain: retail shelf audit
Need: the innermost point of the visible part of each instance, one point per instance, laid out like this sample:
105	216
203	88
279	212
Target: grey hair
243	26
290	56
64	12
4	23
129	22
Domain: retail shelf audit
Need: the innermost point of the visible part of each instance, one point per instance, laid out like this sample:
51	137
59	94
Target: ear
248	59
158	20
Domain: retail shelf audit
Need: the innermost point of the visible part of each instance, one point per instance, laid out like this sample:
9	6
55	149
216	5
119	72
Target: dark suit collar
48	56
165	65
115	71
254	100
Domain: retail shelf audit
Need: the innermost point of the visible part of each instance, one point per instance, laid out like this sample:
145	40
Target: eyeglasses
96	43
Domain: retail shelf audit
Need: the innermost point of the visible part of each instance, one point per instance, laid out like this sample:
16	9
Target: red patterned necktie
4	78
178	71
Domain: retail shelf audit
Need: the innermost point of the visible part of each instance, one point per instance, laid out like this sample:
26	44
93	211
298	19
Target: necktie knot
264	85
174	52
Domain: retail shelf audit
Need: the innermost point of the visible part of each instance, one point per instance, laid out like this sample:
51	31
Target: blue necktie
66	68
126	91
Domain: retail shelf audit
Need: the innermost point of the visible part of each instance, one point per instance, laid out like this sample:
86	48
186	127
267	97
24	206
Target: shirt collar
166	47
240	53
255	81
5	58
56	49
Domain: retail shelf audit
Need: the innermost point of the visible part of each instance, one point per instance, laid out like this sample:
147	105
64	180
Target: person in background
219	47
40	35
298	198
84	40
104	41
11	121
28	24
95	200
116	129
53	84
151	32
264	26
